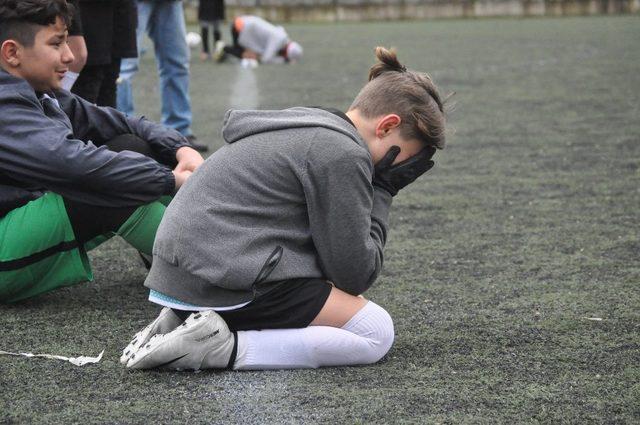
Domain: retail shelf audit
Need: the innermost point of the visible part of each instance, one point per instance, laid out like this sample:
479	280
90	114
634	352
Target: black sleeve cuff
170	184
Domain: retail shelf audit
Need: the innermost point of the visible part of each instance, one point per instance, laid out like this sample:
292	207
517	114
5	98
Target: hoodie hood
239	124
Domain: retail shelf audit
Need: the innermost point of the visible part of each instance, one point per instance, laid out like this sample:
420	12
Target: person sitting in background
72	174
257	40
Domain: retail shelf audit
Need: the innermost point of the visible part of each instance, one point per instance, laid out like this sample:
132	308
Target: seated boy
71	174
285	229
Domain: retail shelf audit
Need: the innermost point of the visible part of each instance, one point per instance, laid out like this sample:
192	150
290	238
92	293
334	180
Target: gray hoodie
289	196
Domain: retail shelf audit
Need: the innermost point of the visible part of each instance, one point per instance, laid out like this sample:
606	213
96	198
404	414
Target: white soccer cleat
166	321
203	341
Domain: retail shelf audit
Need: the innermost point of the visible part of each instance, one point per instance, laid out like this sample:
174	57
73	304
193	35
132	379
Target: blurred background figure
163	22
211	16
78	47
259	40
109	29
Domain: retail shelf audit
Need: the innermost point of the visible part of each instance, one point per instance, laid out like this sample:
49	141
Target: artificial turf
496	264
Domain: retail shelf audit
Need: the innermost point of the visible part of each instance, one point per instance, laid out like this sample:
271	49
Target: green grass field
527	227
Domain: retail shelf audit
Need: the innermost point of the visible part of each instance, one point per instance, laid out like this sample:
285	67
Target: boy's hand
188	159
181	177
392	178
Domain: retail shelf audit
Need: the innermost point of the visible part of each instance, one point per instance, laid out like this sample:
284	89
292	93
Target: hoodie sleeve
347	216
43	152
101	124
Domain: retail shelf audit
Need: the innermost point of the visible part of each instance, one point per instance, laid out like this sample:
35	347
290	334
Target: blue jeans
163	21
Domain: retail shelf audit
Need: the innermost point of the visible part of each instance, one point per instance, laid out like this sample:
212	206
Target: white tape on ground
78	361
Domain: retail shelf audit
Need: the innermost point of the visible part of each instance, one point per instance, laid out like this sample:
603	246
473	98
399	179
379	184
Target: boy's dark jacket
46	147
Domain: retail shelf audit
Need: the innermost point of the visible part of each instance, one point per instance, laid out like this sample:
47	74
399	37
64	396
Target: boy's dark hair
20	19
392	89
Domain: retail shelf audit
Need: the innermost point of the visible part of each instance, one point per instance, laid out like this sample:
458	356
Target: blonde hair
392	89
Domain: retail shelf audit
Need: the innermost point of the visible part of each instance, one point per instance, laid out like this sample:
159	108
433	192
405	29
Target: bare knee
339	308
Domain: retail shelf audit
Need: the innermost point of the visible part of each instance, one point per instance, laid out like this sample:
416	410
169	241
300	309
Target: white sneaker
218	52
166	321
203	341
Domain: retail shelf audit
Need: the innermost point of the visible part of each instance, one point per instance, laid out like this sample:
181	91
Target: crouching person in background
72	174
258	41
285	228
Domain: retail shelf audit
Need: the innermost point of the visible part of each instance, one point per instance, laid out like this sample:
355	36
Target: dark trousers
97	83
236	49
204	30
90	221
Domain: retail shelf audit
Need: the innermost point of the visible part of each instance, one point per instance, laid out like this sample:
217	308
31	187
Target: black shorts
289	304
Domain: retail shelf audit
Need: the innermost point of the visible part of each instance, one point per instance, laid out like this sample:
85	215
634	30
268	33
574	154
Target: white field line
244	92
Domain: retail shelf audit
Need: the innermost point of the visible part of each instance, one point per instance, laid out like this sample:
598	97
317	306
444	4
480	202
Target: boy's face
45	63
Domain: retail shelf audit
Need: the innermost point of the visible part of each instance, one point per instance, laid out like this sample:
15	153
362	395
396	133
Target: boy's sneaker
203	341
219	54
166	321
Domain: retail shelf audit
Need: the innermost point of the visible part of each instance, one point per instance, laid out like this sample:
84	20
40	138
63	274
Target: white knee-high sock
362	340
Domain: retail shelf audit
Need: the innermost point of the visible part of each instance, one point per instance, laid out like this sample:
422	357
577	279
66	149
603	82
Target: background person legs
204	32
108	89
205	27
88	84
217	34
109	32
129	67
167	30
97	83
164	23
